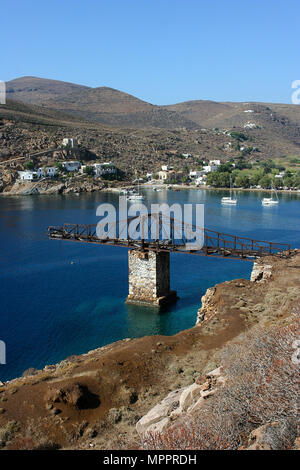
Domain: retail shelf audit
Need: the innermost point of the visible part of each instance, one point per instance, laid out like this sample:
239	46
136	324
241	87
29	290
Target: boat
134	195
229	199
128	191
270	201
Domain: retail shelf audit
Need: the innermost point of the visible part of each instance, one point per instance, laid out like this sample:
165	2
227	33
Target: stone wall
149	277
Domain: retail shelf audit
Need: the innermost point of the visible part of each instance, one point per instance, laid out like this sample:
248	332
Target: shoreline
179	186
170	187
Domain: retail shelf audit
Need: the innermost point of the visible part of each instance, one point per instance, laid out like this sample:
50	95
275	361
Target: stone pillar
149	278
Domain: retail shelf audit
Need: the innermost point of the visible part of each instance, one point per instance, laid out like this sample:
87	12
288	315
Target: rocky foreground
229	382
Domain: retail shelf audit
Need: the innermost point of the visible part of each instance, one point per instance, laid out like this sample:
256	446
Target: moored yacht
270	201
134	195
229	199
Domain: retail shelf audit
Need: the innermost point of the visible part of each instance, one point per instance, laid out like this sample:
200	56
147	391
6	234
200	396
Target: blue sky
162	51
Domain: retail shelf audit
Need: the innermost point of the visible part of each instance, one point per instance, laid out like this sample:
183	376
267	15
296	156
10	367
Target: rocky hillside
104	105
278	125
97	399
275	128
27	129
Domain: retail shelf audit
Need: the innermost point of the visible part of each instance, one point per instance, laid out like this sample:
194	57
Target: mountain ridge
113	107
200	127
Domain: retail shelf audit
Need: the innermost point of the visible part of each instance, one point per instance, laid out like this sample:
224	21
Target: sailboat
135	195
270	201
229	200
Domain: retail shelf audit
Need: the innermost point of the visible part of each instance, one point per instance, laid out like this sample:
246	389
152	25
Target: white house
165	175
101	169
186	155
210	168
27	175
49	172
71	166
196	174
249	125
70	143
201	180
166	168
215	162
30	175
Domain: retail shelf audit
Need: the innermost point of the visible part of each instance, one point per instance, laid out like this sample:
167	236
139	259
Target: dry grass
261	387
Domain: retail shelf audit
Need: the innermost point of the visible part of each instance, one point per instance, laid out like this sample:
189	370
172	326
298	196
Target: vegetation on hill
262	174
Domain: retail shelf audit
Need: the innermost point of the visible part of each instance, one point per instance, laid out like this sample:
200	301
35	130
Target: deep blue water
61	298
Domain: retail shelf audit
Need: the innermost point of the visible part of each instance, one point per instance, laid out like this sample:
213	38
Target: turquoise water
60	298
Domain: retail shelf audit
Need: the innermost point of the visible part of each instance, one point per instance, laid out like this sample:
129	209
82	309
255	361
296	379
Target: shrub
29	165
8	431
261	387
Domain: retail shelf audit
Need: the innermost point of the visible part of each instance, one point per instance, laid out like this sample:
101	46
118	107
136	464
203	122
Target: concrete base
168	299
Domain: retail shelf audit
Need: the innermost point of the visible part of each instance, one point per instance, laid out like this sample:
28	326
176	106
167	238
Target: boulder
158	416
75	395
261	272
182	401
188	397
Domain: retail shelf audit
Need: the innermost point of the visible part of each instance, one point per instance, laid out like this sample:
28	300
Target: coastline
206	188
142	371
60	188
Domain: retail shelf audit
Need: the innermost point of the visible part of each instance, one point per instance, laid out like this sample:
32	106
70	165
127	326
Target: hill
104	105
34	90
273	129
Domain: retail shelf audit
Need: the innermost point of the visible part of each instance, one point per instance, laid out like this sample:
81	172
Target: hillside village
255	146
205	173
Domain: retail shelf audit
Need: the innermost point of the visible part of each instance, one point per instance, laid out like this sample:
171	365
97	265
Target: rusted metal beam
216	243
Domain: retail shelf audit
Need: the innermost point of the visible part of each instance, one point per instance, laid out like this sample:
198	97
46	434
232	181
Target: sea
61	298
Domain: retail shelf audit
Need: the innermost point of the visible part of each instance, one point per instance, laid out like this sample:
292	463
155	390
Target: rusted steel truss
215	243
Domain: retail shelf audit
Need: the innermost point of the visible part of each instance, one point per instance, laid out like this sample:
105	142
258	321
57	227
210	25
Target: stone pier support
149	278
